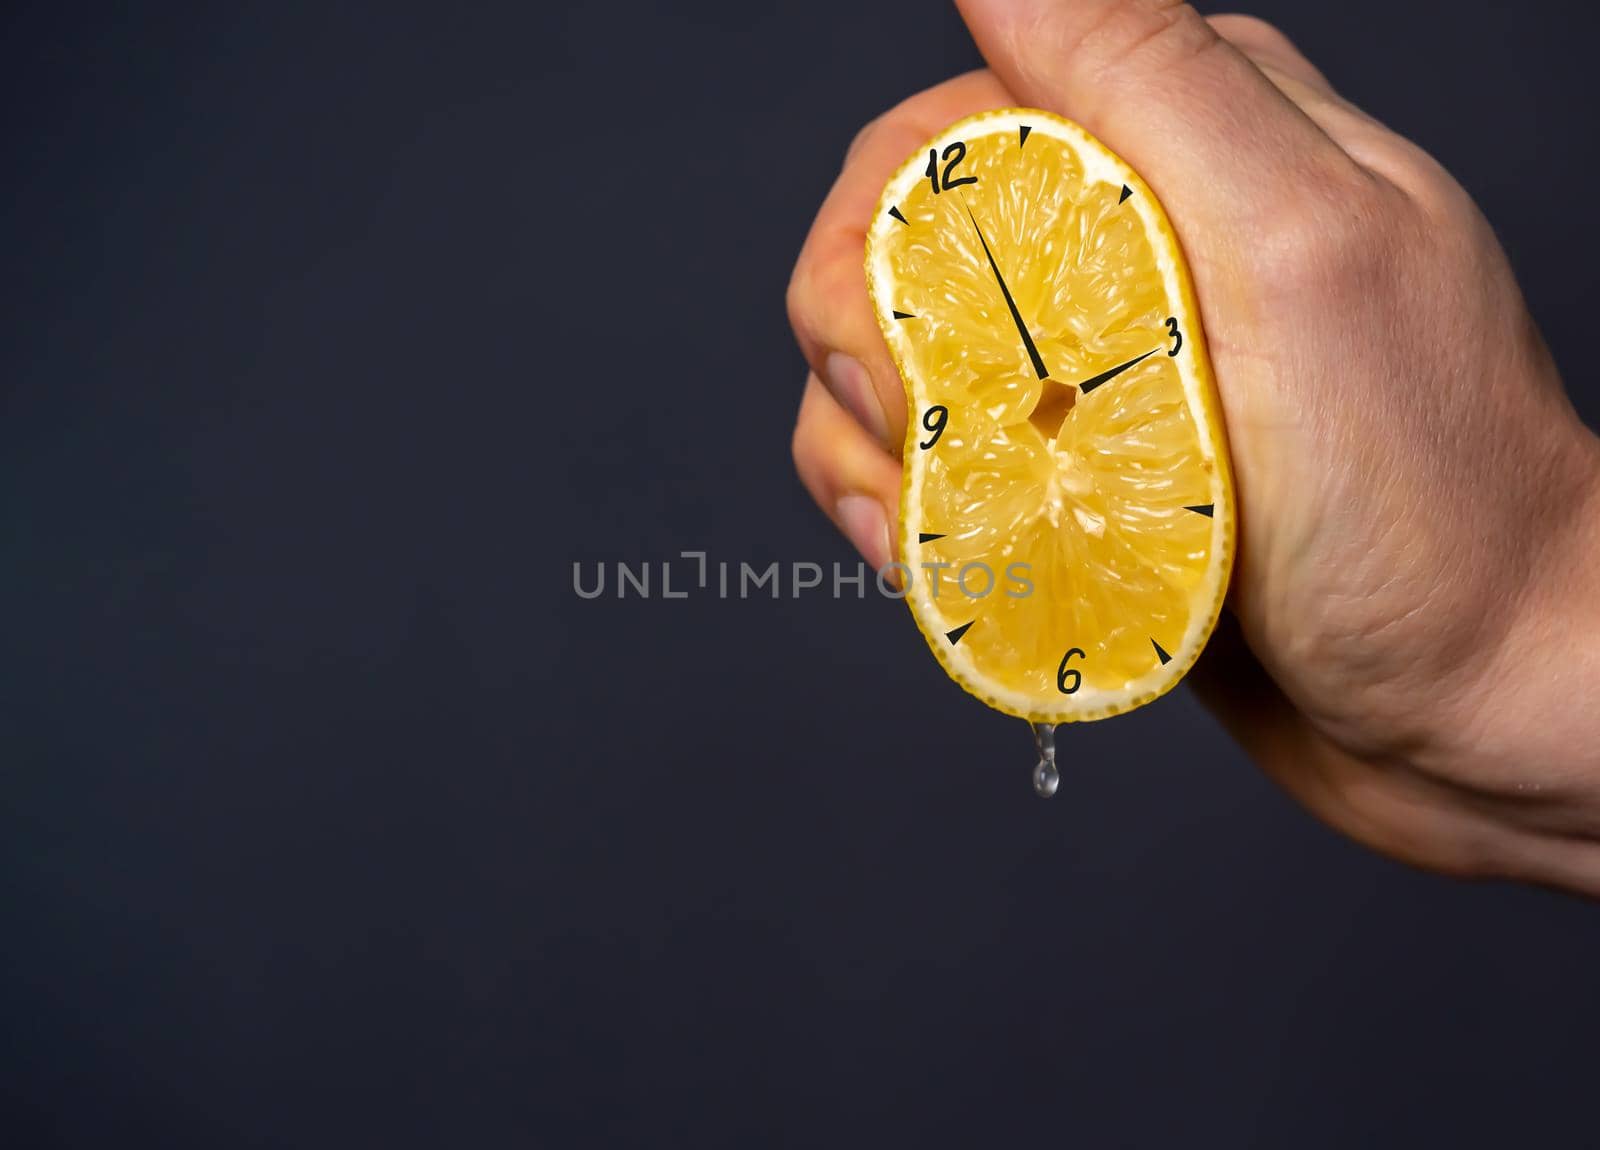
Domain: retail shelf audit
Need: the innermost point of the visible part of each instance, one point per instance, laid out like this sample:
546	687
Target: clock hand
1016	316
1089	385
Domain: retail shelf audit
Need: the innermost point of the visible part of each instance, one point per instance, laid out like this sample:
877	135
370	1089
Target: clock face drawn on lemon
1067	516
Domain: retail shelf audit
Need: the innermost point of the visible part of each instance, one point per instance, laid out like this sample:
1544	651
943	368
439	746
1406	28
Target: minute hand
1016	316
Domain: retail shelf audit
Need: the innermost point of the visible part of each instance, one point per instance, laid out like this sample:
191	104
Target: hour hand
1016	317
1089	385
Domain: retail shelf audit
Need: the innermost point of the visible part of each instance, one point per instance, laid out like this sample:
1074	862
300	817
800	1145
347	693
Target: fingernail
864	522
852	387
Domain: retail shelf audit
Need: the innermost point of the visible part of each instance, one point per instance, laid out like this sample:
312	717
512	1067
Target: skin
1410	642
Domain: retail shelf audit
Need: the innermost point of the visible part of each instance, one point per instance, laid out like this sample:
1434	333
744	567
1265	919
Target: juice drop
1045	776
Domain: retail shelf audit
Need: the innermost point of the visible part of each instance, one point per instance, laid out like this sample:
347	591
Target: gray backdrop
333	335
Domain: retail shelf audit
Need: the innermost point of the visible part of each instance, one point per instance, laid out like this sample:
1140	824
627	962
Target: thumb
1205	128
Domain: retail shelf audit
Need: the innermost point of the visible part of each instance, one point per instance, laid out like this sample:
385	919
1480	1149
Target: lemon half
1067	517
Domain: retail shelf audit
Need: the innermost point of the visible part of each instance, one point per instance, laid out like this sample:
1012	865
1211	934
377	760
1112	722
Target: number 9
934	420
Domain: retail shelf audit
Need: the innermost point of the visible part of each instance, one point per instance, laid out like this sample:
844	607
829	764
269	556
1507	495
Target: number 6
1063	671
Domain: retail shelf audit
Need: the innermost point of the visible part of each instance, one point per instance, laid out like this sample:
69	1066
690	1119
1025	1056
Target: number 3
1172	330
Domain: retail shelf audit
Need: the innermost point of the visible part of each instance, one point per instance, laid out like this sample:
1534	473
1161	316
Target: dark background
333	335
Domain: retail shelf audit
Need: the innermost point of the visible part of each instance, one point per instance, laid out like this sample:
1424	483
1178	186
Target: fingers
853	480
1216	139
828	304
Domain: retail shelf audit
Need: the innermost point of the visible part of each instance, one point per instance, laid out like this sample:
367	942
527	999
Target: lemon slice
1067	519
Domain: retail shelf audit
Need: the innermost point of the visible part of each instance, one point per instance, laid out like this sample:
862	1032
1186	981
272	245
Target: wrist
1526	735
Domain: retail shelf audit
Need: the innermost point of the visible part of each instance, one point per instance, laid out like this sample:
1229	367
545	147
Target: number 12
953	154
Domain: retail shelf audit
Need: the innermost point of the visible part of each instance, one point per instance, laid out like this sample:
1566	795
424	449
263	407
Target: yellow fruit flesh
1090	490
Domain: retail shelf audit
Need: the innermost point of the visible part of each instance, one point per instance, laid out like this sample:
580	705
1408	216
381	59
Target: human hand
1419	504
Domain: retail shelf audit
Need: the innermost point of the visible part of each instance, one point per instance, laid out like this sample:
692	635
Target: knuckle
797	446
840	275
860	139
797	309
800	437
808	449
794	298
1436	192
1142	37
825	281
1333	240
1251	32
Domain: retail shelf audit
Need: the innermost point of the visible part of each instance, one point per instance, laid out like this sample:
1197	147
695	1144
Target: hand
1416	645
